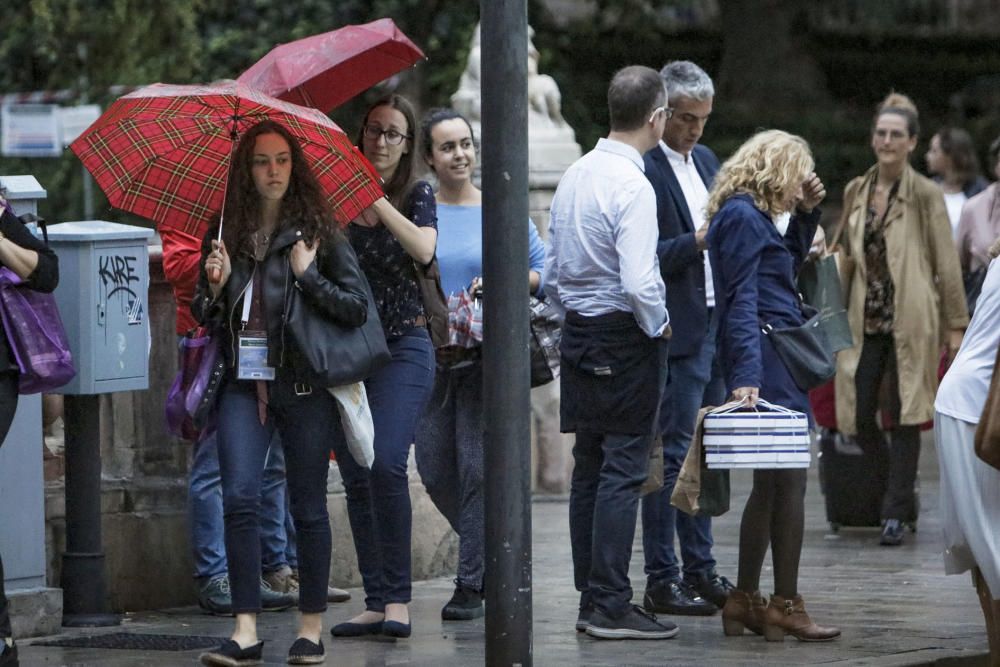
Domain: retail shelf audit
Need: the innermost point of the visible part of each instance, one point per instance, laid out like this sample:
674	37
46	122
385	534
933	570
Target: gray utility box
103	299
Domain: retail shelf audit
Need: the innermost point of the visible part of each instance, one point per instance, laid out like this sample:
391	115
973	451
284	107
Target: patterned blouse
389	268
880	308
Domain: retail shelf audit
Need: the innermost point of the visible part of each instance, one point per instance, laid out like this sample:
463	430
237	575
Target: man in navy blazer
681	172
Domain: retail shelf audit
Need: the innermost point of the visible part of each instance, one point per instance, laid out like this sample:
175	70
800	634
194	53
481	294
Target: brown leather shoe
789	617
743	611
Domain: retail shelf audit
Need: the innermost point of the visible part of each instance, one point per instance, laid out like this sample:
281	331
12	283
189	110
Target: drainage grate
136	642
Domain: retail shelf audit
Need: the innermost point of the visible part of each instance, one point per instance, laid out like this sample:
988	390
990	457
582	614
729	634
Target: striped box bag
769	436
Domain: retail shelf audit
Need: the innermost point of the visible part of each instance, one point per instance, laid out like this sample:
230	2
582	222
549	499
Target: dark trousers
693	381
8	406
878	364
603	504
379	500
309	426
449	453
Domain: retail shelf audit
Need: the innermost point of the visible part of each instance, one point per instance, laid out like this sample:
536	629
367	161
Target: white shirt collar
620	148
673	155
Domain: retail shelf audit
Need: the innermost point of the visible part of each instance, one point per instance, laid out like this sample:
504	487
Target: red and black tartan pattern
162	152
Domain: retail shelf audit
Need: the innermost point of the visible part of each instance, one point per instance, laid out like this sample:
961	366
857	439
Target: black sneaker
306	652
8	653
892	533
586	609
464	605
231	655
673	597
634	624
713	587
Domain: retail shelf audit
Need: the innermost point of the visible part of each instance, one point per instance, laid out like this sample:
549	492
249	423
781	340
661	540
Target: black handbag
543	341
804	350
335	354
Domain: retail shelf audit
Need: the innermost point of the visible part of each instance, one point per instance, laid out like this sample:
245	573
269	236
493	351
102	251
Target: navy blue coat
681	263
755	268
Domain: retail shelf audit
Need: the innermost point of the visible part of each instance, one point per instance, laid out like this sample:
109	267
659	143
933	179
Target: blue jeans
603	502
309	425
378	501
693	381
205	511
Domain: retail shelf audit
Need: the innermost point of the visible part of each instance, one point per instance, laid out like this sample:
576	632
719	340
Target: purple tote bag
35	334
198	358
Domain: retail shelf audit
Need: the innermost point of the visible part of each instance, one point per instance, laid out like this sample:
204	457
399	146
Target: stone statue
551	141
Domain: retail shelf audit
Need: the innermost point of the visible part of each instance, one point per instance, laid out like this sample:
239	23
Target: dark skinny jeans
309	426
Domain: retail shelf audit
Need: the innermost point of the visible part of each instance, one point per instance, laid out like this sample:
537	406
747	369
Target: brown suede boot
789	617
743	611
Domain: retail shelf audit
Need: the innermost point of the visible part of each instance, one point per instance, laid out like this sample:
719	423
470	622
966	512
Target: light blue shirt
602	239
460	246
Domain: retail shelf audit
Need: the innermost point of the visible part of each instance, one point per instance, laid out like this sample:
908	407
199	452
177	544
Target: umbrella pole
505	360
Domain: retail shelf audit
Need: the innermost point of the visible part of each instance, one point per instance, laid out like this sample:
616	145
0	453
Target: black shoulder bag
804	350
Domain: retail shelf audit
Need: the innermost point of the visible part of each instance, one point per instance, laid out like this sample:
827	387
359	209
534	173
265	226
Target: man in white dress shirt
602	269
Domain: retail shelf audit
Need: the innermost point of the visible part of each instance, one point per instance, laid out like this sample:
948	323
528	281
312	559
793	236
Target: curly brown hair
304	205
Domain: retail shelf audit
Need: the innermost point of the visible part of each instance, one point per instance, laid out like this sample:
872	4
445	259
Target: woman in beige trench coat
905	294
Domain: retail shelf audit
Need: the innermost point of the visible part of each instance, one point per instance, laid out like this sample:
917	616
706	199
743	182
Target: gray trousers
449	454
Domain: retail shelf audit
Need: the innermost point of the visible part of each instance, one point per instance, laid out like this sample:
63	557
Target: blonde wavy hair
769	167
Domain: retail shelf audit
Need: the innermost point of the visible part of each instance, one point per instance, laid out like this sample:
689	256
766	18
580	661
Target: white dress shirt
601	255
696	197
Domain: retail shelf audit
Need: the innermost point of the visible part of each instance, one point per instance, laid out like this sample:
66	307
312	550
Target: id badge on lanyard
252	347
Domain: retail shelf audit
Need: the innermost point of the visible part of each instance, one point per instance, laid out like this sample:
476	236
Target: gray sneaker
286	580
634	624
272	600
214	596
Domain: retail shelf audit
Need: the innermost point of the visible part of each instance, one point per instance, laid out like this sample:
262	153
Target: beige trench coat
929	297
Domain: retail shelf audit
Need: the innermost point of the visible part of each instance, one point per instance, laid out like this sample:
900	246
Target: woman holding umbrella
278	235
389	238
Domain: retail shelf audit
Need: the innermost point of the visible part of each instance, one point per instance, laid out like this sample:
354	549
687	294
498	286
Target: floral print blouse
389	268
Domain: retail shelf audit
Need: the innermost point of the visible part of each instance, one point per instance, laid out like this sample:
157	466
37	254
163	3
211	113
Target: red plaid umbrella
324	71
162	152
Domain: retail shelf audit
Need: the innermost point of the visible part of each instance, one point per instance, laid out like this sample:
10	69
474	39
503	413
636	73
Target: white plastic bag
356	419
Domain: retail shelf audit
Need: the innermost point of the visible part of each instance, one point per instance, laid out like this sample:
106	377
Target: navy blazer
754	269
682	265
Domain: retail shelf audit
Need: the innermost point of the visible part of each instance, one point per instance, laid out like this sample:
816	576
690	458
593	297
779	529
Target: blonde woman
905	292
754	268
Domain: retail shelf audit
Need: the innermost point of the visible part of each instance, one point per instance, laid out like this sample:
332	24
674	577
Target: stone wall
144	494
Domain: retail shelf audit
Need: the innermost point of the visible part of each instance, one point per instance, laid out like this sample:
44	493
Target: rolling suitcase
853	482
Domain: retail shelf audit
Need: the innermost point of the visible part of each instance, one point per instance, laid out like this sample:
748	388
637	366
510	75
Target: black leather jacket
333	283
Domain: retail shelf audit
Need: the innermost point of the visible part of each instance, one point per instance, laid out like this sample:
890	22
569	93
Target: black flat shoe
892	533
306	652
231	655
348	629
396	629
672	597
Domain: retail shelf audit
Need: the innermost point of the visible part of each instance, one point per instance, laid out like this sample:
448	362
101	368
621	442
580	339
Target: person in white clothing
970	489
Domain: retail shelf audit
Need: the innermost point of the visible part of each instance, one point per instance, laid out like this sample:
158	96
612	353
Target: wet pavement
894	605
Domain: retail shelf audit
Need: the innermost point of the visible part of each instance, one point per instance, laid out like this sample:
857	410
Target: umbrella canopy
163	151
324	71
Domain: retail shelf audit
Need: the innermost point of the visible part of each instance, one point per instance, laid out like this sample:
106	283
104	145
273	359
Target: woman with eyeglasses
905	295
449	445
389	239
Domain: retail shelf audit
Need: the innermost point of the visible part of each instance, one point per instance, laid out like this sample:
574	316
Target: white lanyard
247	300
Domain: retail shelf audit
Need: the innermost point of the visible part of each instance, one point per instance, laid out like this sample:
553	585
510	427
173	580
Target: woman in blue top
754	267
449	446
389	238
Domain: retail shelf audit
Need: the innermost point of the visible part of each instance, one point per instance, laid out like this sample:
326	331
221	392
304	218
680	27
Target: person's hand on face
301	256
813	192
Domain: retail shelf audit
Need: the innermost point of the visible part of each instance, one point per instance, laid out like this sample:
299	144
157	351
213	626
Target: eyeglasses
667	111
392	137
